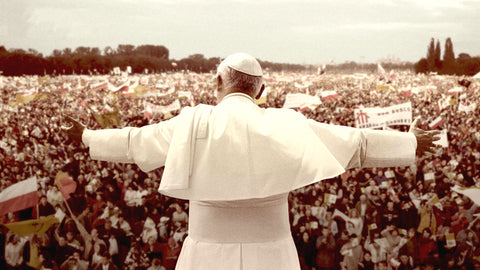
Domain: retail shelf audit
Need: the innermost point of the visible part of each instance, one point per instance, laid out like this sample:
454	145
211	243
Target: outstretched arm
146	146
365	148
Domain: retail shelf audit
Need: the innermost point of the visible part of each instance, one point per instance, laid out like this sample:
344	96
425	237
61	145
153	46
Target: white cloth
237	150
236	162
237	235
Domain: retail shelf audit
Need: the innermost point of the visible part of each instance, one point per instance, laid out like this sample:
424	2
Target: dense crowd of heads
364	218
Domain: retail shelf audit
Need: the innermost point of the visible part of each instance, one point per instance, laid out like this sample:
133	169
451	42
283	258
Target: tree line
464	64
155	59
92	60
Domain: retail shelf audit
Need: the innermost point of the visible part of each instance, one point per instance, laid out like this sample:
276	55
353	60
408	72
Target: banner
436	122
19	196
380	117
300	101
98	86
33	226
329	95
466	106
151	109
443	142
472	192
65	184
108	120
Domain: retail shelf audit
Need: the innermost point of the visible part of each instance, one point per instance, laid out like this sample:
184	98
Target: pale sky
287	31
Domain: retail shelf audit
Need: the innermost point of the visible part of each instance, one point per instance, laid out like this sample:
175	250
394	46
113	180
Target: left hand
425	138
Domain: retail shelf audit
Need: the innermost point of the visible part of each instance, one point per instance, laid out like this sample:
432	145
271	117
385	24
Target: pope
236	163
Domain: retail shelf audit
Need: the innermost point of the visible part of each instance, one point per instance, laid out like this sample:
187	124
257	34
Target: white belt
245	221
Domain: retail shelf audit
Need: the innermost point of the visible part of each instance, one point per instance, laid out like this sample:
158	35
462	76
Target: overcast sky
303	31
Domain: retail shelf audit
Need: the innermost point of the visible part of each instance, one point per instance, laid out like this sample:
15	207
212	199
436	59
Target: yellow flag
32	226
108	120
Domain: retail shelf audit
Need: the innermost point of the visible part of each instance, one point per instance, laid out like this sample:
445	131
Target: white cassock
236	163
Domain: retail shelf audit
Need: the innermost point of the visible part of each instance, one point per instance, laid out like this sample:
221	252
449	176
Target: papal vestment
236	163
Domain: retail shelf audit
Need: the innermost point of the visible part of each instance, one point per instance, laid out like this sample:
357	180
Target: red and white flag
65	184
19	196
382	71
98	86
436	122
329	95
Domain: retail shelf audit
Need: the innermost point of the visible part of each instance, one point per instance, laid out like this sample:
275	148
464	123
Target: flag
450	237
429	176
394	263
340	214
98	86
301	100
443	142
65	184
19	196
330	198
466	106
32	226
471	192
436	122
455	90
108	120
329	95
382	71
394	101
407	92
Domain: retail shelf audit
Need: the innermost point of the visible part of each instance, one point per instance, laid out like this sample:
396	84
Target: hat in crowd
244	63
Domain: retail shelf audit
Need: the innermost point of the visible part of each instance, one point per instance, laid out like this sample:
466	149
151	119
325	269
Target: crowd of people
378	218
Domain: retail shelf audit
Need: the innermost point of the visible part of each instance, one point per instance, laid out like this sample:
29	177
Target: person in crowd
14	251
136	258
74	262
306	248
366	263
156	265
352	253
354	224
106	263
426	247
325	246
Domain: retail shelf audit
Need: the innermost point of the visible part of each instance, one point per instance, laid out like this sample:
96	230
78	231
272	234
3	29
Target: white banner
466	106
300	100
443	142
162	109
400	114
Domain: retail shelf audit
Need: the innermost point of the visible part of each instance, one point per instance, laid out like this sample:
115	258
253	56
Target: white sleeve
365	148
146	146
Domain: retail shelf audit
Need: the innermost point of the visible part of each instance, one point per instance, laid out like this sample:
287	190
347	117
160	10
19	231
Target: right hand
74	131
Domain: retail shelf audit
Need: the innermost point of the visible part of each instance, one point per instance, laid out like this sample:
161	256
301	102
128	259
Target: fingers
414	124
69	119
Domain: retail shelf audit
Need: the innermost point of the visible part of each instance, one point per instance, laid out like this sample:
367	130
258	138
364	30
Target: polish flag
65	184
19	196
436	122
329	95
98	86
148	110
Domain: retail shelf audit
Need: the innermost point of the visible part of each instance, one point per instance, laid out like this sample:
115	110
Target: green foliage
88	60
462	65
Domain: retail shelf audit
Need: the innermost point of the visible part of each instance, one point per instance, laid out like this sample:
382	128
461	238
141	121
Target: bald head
239	72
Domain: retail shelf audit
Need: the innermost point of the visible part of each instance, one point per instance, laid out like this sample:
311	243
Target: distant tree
449	64
438	60
125	49
431	55
421	66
